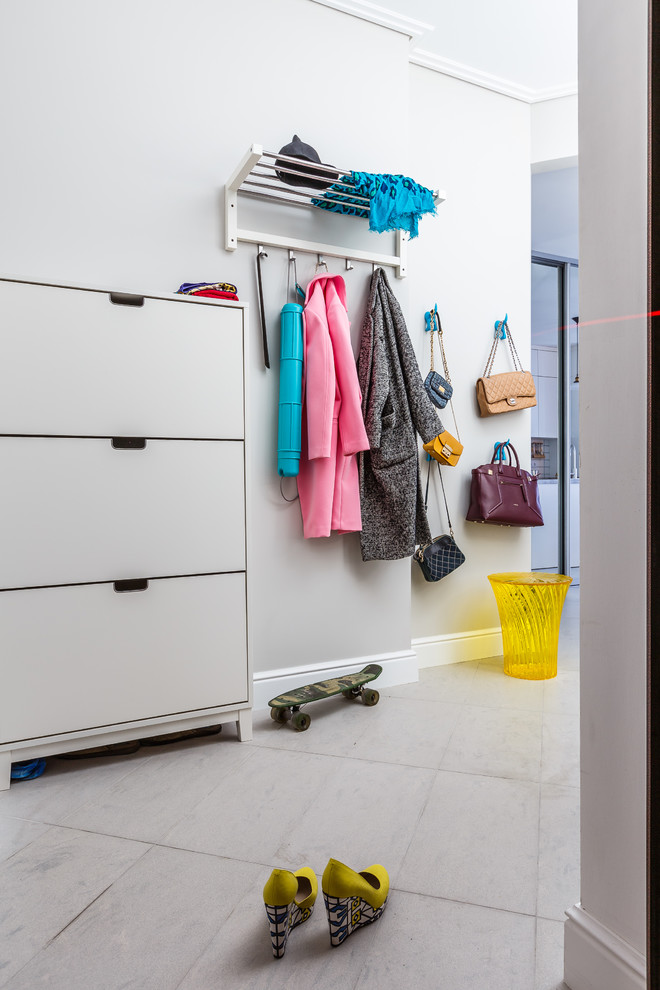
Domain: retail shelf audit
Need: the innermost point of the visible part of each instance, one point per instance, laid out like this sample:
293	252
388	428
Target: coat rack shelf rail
256	177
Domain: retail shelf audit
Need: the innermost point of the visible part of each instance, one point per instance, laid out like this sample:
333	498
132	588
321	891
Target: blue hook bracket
501	328
499	449
431	319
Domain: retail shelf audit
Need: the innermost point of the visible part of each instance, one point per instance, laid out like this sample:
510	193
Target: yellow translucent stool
530	607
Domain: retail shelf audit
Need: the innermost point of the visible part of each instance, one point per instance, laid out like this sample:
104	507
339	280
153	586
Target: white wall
606	934
124	123
554	133
555	212
474	261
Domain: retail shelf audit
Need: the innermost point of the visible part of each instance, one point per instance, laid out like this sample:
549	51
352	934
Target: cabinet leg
5	770
244	725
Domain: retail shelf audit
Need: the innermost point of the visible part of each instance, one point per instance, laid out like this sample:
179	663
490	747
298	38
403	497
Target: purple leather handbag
504	495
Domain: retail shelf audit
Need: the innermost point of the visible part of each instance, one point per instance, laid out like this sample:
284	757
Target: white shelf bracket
402	252
231	195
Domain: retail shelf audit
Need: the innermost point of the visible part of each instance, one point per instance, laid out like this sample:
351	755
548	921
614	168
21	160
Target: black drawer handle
129	443
132	584
126	299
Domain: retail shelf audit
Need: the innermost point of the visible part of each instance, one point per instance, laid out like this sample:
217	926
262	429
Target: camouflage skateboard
287	706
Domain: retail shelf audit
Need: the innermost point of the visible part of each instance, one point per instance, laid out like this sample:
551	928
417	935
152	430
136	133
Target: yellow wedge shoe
353	899
289	900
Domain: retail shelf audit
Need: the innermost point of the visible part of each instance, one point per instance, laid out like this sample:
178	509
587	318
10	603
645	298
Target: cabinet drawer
547	362
76	510
84	657
73	363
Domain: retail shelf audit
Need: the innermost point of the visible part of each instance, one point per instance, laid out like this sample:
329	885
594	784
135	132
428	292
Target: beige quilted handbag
508	391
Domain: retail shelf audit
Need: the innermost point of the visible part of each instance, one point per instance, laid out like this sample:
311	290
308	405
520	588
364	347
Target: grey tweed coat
395	408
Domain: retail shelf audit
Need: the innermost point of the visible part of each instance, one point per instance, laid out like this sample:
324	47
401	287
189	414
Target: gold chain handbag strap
458	436
517	364
442	347
436	322
491	358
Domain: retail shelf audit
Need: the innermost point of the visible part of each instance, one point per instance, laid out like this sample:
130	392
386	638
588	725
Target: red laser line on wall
604	319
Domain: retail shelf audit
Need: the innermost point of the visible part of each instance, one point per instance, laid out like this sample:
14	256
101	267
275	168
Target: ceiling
525	48
530	43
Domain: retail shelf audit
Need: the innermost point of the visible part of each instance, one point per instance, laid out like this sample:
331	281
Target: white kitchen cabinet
545	539
534	420
546	400
544	370
534	361
123	603
546	361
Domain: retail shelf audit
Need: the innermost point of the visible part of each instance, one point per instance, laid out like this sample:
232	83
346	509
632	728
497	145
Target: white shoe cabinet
123	597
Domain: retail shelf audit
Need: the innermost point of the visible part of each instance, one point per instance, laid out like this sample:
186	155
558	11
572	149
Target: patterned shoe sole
282	920
345	914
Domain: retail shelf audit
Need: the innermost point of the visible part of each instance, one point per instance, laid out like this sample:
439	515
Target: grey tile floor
146	871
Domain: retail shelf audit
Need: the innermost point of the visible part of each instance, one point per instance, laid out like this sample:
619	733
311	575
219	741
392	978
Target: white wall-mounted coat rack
256	176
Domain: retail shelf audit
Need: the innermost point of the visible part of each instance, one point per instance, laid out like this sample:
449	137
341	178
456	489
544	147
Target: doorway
555	452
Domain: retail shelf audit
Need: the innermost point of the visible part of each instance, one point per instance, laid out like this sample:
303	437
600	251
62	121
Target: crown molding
506	87
414	30
555	93
380	15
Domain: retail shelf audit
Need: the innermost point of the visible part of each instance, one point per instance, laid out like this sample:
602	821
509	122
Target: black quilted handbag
441	556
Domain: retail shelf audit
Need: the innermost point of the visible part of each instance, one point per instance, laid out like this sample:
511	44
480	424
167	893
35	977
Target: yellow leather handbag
444	448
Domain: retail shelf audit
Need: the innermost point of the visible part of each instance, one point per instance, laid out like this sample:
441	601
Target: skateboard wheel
279	714
351	692
370	697
301	721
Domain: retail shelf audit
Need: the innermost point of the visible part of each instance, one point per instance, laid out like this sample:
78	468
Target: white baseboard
596	958
398	668
435	651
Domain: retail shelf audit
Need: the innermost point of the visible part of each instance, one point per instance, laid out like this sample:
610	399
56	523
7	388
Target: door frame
563	266
653	509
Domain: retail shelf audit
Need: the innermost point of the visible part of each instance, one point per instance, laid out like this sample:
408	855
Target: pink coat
332	425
